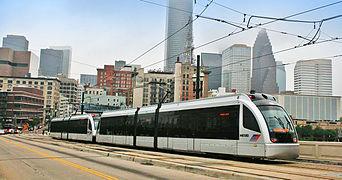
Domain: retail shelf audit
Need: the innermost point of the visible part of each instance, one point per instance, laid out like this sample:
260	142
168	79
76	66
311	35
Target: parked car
2	131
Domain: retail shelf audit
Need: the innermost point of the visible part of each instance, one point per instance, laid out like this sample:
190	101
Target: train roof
232	99
76	117
183	105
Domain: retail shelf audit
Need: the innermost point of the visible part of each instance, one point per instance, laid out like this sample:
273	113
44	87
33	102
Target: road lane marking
97	173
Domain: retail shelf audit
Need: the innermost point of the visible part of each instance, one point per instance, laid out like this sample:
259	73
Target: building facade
313	77
18	63
66	61
151	87
214	63
105	76
51	62
281	76
88	79
106	100
311	107
185	82
65	108
236	68
68	89
16	43
176	39
118	82
264	66
23	103
49	86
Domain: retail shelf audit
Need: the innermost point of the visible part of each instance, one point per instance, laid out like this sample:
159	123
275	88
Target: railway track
268	169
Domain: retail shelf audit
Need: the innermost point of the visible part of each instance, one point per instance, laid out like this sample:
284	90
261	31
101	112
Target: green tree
331	135
318	133
35	121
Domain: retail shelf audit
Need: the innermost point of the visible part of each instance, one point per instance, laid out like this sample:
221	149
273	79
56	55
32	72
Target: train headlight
295	140
274	140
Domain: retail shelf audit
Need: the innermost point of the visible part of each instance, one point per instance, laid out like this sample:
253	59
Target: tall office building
66	62
55	60
313	77
236	68
16	43
281	76
214	63
51	62
264	66
178	41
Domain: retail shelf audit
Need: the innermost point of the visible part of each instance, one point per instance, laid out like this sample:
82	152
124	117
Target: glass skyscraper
16	43
313	77
66	61
281	76
214	63
178	15
264	66
236	68
51	62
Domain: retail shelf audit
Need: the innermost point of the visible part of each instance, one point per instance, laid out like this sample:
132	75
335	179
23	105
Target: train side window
249	120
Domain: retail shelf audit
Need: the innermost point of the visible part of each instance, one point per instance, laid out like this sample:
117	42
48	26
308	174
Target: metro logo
255	137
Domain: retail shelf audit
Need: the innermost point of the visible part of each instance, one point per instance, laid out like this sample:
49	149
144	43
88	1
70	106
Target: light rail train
252	125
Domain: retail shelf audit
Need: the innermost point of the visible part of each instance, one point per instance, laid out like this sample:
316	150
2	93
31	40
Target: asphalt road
24	159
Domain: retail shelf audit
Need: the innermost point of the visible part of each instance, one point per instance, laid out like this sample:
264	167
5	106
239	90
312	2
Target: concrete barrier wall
321	150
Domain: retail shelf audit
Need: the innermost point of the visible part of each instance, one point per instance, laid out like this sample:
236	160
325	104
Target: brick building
185	82
117	82
49	86
22	104
17	63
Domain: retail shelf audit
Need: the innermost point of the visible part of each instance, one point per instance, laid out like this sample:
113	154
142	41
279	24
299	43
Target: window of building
30	82
9	81
36	82
50	83
18	82
41	83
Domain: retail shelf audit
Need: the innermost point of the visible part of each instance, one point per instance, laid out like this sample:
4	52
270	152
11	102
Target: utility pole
156	115
82	101
198	77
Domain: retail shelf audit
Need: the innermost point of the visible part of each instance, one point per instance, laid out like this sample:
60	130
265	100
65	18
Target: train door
251	142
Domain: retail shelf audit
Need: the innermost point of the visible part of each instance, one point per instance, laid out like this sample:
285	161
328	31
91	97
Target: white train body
216	125
79	127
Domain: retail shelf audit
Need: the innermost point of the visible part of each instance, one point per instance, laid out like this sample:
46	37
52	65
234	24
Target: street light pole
198	77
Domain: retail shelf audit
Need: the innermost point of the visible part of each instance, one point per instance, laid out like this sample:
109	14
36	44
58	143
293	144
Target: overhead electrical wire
187	24
251	27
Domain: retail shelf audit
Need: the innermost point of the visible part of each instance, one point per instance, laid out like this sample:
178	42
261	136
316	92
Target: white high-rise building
236	68
178	15
313	77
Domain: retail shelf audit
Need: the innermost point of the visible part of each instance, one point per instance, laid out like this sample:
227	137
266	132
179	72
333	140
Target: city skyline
68	29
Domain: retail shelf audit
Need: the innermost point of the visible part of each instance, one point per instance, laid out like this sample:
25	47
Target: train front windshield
279	124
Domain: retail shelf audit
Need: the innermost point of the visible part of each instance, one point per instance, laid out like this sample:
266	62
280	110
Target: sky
102	31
